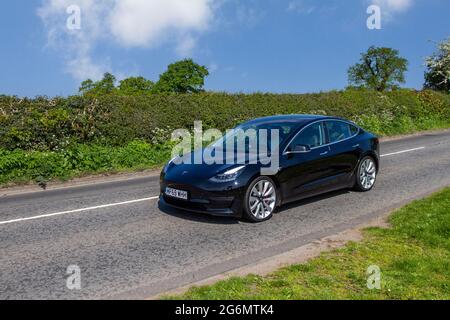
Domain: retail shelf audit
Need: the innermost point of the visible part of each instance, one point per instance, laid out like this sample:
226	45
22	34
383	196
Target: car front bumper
224	203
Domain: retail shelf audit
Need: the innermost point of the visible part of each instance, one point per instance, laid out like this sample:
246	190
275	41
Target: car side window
354	130
313	137
338	130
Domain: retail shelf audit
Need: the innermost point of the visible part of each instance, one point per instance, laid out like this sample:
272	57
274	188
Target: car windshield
251	135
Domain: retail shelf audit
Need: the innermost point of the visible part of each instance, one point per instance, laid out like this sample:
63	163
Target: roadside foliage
46	138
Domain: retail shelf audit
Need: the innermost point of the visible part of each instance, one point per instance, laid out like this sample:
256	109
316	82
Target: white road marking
400	152
135	201
77	210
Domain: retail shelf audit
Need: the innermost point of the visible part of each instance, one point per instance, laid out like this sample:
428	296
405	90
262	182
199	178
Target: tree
379	68
104	86
437	76
135	85
184	76
86	86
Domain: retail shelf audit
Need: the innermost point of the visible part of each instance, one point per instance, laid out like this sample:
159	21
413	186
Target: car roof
298	118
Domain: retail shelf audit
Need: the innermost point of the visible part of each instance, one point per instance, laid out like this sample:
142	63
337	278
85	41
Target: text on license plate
180	194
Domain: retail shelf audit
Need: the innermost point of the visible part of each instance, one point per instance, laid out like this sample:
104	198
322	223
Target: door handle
356	146
324	153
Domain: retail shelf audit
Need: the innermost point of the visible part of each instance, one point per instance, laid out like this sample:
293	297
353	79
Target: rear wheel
260	199
366	174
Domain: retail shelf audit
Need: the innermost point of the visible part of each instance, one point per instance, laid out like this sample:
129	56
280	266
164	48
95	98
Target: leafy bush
45	138
116	120
41	166
437	76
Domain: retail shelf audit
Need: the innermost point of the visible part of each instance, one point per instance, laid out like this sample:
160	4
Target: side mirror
301	149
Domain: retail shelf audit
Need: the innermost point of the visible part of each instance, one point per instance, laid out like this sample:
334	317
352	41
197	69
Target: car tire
366	174
260	199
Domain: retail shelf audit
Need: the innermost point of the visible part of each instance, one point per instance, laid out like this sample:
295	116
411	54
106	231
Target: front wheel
366	174
260	199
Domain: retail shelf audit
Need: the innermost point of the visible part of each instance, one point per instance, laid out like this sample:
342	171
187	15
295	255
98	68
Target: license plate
179	194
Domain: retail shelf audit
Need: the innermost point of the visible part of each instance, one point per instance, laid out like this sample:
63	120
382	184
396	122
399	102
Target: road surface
126	247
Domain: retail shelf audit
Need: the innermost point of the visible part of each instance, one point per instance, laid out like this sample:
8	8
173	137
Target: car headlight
228	176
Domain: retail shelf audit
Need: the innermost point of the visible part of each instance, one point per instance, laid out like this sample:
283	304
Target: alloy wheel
262	199
367	174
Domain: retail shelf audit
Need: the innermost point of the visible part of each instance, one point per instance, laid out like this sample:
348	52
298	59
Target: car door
345	151
304	173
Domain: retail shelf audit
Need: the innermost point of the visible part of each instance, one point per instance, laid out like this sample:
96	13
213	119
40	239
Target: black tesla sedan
314	155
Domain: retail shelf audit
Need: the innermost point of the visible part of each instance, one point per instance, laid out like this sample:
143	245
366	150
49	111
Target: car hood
188	170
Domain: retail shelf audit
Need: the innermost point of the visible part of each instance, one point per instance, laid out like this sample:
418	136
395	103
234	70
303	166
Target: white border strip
400	152
77	210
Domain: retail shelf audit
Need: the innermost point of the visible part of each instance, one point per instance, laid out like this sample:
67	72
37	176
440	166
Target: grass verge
20	167
413	256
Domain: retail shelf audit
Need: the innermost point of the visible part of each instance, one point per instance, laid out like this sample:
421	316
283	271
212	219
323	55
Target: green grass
19	166
413	255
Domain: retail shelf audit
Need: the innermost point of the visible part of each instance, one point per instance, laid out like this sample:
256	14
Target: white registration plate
179	194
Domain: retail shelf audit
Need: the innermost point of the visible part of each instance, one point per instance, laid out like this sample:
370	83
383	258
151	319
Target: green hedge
21	166
54	124
43	139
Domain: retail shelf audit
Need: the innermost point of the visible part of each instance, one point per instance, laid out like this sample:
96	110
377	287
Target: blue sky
252	45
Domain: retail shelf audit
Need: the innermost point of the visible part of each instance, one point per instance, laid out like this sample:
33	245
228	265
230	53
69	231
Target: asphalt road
134	250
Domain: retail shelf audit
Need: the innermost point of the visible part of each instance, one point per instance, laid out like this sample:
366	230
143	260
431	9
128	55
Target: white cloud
147	22
75	45
394	5
81	66
128	23
300	6
248	14
213	67
186	45
391	7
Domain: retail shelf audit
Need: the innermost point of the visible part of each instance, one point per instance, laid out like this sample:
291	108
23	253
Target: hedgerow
48	138
113	120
